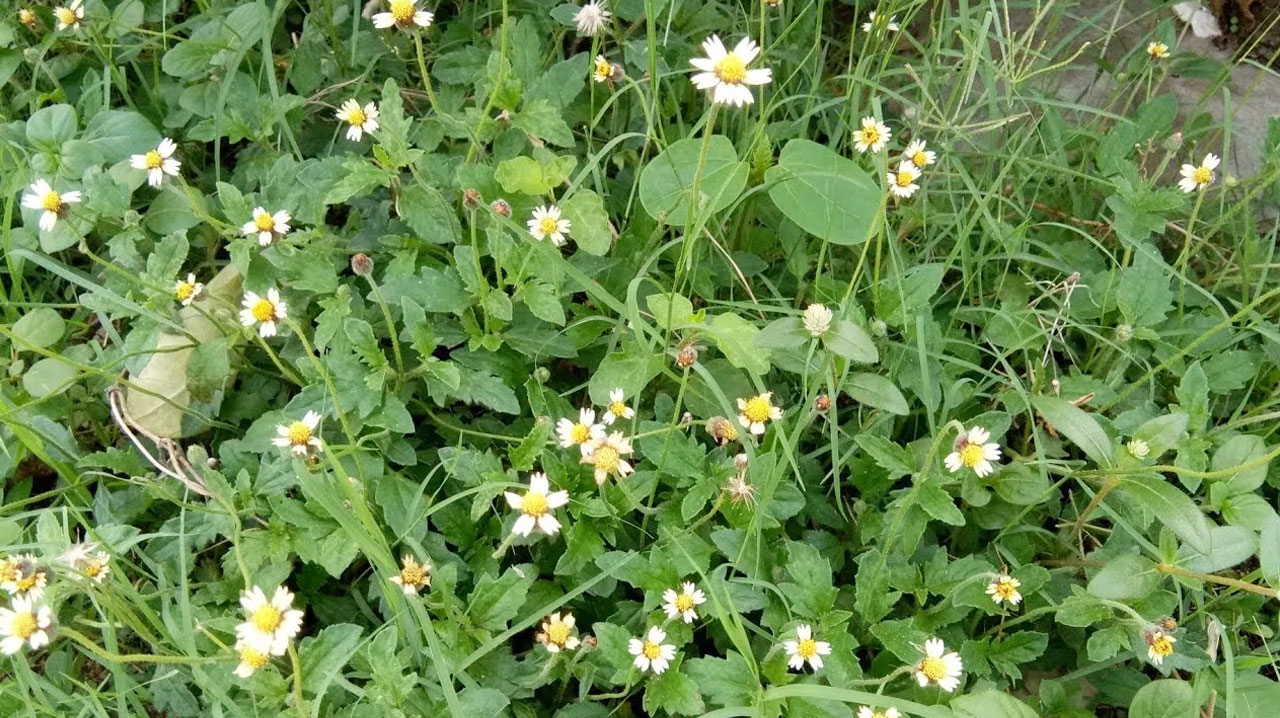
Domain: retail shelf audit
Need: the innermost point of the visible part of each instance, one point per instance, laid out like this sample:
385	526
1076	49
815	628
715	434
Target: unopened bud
740	462
1174	142
822	403
471	197
500	206
541	374
687	356
686	418
1124	333
1138	448
879	328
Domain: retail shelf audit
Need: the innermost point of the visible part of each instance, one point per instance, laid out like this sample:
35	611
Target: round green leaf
827	195
667	181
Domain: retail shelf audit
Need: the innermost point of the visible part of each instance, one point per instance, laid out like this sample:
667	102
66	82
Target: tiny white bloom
902	181
251	659
591	18
1157	50
1005	588
263	311
546	222
269	624
536	505
86	561
684	603
725	72
1198	177
873	135
579	433
605	454
359	119
299	436
43	197
817	319
805	649
1138	448
24	623
875	22
919	156
187	291
266	226
413	576
70	16
651	653
868	712
617	408
22	576
756	411
557	633
939	667
972	450
1159	646
602	69
402	14
158	162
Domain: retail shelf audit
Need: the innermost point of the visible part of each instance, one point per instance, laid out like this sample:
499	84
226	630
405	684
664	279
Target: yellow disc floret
265	311
757	409
402	11
731	69
933	669
534	504
267	618
652	650
557	633
23	625
971	455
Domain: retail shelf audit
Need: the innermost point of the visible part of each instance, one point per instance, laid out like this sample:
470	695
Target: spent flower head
591	18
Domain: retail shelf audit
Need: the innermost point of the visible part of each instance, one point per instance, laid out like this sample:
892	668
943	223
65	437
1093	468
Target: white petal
524	525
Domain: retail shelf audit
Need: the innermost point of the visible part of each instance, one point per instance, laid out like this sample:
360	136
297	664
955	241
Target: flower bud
1138	448
878	328
1124	333
471	197
822	403
362	265
1174	142
740	462
687	356
500	206
541	374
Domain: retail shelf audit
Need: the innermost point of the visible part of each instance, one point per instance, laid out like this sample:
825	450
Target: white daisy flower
875	22
817	319
402	14
684	603
270	624
359	119
251	659
22	576
868	712
617	408
24	623
187	291
536	505
263	311
266	226
546	222
86	561
605	454
725	73
919	156
805	649
1005	588
580	433
1193	177
1159	646
602	69
299	436
939	667
902	181
557	633
972	450
70	16
651	653
591	18
873	135
1157	50
756	411
158	162
43	197
413	576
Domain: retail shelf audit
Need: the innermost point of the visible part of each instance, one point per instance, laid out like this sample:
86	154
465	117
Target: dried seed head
722	430
740	463
1168	624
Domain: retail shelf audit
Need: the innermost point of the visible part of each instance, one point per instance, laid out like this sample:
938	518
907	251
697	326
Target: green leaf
590	222
1125	578
877	392
428	215
723	681
50	127
939	504
852	342
1016	649
888	455
41	327
904	296
1081	610
1078	426
735	337
829	196
209	368
479	387
544	302
990	704
669	310
811	591
171	212
1239	450
529	176
540	119
119	134
667	181
1162	433
359	176
673	692
1172	507
1164	699
1143	293
632	369
47	376
324	655
496	600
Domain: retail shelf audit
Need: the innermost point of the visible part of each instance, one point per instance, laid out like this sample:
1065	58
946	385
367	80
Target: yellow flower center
65	16
903	179
1162	645
549	225
8	571
264	222
93	568
356	117
534	504
604	69
731	69
557	633
26	17
253	659
267	618
652	650
684	602
184	291
920	159
26	583
580	433
971	455
1159	50
265	311
1202	175
757	410
606	459
402	11
412	574
52	202
617	408
870	135
933	669
153	159
806	649
24	625
299	432
1005	589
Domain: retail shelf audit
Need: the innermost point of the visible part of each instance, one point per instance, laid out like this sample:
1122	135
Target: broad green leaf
49	128
723	681
990	704
669	310
852	342
1241	450
735	337
325	654
428	215
674	693
667	181
1228	546
1164	699
496	600
1162	433
48	375
829	196
1125	578
630	369
590	222
540	119
876	391
939	504
1078	426
41	327
1171	507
